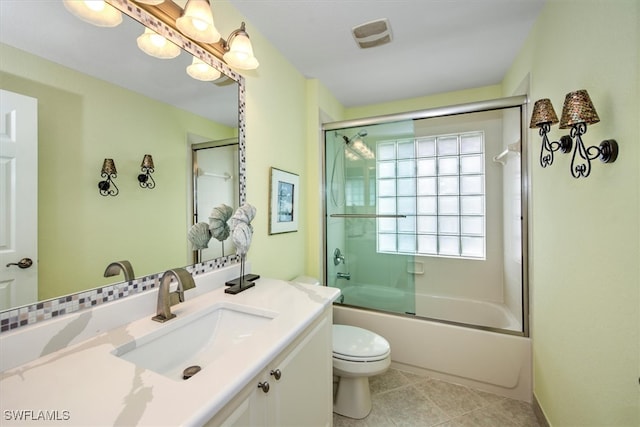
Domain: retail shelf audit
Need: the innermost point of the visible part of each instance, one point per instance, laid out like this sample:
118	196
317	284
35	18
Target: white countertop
86	384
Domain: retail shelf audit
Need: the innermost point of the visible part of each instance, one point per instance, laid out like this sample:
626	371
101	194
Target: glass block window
437	183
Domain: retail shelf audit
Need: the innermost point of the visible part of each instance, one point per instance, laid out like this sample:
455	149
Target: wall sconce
145	179
238	50
578	112
109	173
543	117
195	21
96	12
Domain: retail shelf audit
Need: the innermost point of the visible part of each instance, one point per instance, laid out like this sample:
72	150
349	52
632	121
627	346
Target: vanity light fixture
96	12
109	173
543	117
153	44
238	50
196	22
578	112
145	179
200	70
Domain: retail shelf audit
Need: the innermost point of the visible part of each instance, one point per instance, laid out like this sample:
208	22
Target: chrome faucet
337	257
116	267
344	276
166	299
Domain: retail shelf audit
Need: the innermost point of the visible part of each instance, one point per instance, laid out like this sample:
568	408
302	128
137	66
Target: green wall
585	250
81	121
585	255
276	137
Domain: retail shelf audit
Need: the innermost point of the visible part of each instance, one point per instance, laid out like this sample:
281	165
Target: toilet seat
355	344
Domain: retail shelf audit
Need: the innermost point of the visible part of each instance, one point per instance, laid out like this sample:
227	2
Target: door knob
23	263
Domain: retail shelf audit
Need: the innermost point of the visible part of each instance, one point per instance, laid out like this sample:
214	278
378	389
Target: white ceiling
438	45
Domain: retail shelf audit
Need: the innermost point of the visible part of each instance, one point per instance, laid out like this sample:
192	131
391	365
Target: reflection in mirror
215	176
99	96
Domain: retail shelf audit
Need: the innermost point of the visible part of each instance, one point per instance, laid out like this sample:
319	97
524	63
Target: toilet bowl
357	355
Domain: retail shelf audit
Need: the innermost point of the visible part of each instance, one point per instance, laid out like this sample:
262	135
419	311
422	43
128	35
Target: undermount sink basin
195	341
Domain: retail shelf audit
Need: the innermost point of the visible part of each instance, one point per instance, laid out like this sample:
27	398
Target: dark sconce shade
145	179
578	108
107	187
578	112
543	117
543	112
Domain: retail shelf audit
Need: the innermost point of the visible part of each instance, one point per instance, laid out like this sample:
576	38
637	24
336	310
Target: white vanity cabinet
302	396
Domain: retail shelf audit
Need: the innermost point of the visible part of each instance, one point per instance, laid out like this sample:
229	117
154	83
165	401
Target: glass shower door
427	216
358	260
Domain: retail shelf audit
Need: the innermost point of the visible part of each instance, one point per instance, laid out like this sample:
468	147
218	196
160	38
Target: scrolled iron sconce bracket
607	152
547	147
145	179
107	186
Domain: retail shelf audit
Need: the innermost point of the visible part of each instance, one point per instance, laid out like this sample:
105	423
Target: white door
18	199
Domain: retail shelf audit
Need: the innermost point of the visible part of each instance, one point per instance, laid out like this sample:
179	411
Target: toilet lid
357	344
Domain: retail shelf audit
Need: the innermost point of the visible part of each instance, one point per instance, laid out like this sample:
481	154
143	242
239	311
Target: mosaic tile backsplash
41	311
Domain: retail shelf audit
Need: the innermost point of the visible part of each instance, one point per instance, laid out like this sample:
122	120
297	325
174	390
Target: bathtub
494	362
460	310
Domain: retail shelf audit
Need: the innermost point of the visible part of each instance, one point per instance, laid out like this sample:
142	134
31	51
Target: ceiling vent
372	34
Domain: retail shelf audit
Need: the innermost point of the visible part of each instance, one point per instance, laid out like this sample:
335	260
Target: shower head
360	134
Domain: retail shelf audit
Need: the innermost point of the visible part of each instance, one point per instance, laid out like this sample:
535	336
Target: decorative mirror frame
160	19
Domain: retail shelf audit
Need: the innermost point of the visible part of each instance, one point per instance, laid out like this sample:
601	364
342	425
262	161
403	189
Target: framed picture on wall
284	193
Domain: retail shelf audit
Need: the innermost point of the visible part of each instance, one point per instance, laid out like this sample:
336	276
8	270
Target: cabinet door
239	418
302	396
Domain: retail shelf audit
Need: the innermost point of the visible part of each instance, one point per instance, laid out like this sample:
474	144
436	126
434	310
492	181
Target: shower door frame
519	101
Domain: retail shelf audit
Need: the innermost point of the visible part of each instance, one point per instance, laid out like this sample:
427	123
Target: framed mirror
100	97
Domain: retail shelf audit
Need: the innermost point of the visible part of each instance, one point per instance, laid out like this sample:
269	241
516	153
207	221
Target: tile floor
405	399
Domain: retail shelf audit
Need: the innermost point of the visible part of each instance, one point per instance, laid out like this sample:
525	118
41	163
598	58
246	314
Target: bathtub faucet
344	276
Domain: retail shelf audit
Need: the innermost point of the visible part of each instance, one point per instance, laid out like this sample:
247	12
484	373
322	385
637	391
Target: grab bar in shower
366	216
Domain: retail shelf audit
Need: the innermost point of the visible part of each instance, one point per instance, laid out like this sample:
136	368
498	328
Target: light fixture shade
199	70
240	53
96	12
109	167
578	108
155	45
543	112
147	162
196	22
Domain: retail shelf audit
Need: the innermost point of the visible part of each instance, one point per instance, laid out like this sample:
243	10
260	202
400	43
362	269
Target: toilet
357	355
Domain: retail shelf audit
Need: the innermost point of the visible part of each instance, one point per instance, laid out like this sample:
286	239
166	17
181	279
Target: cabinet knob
277	374
264	386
